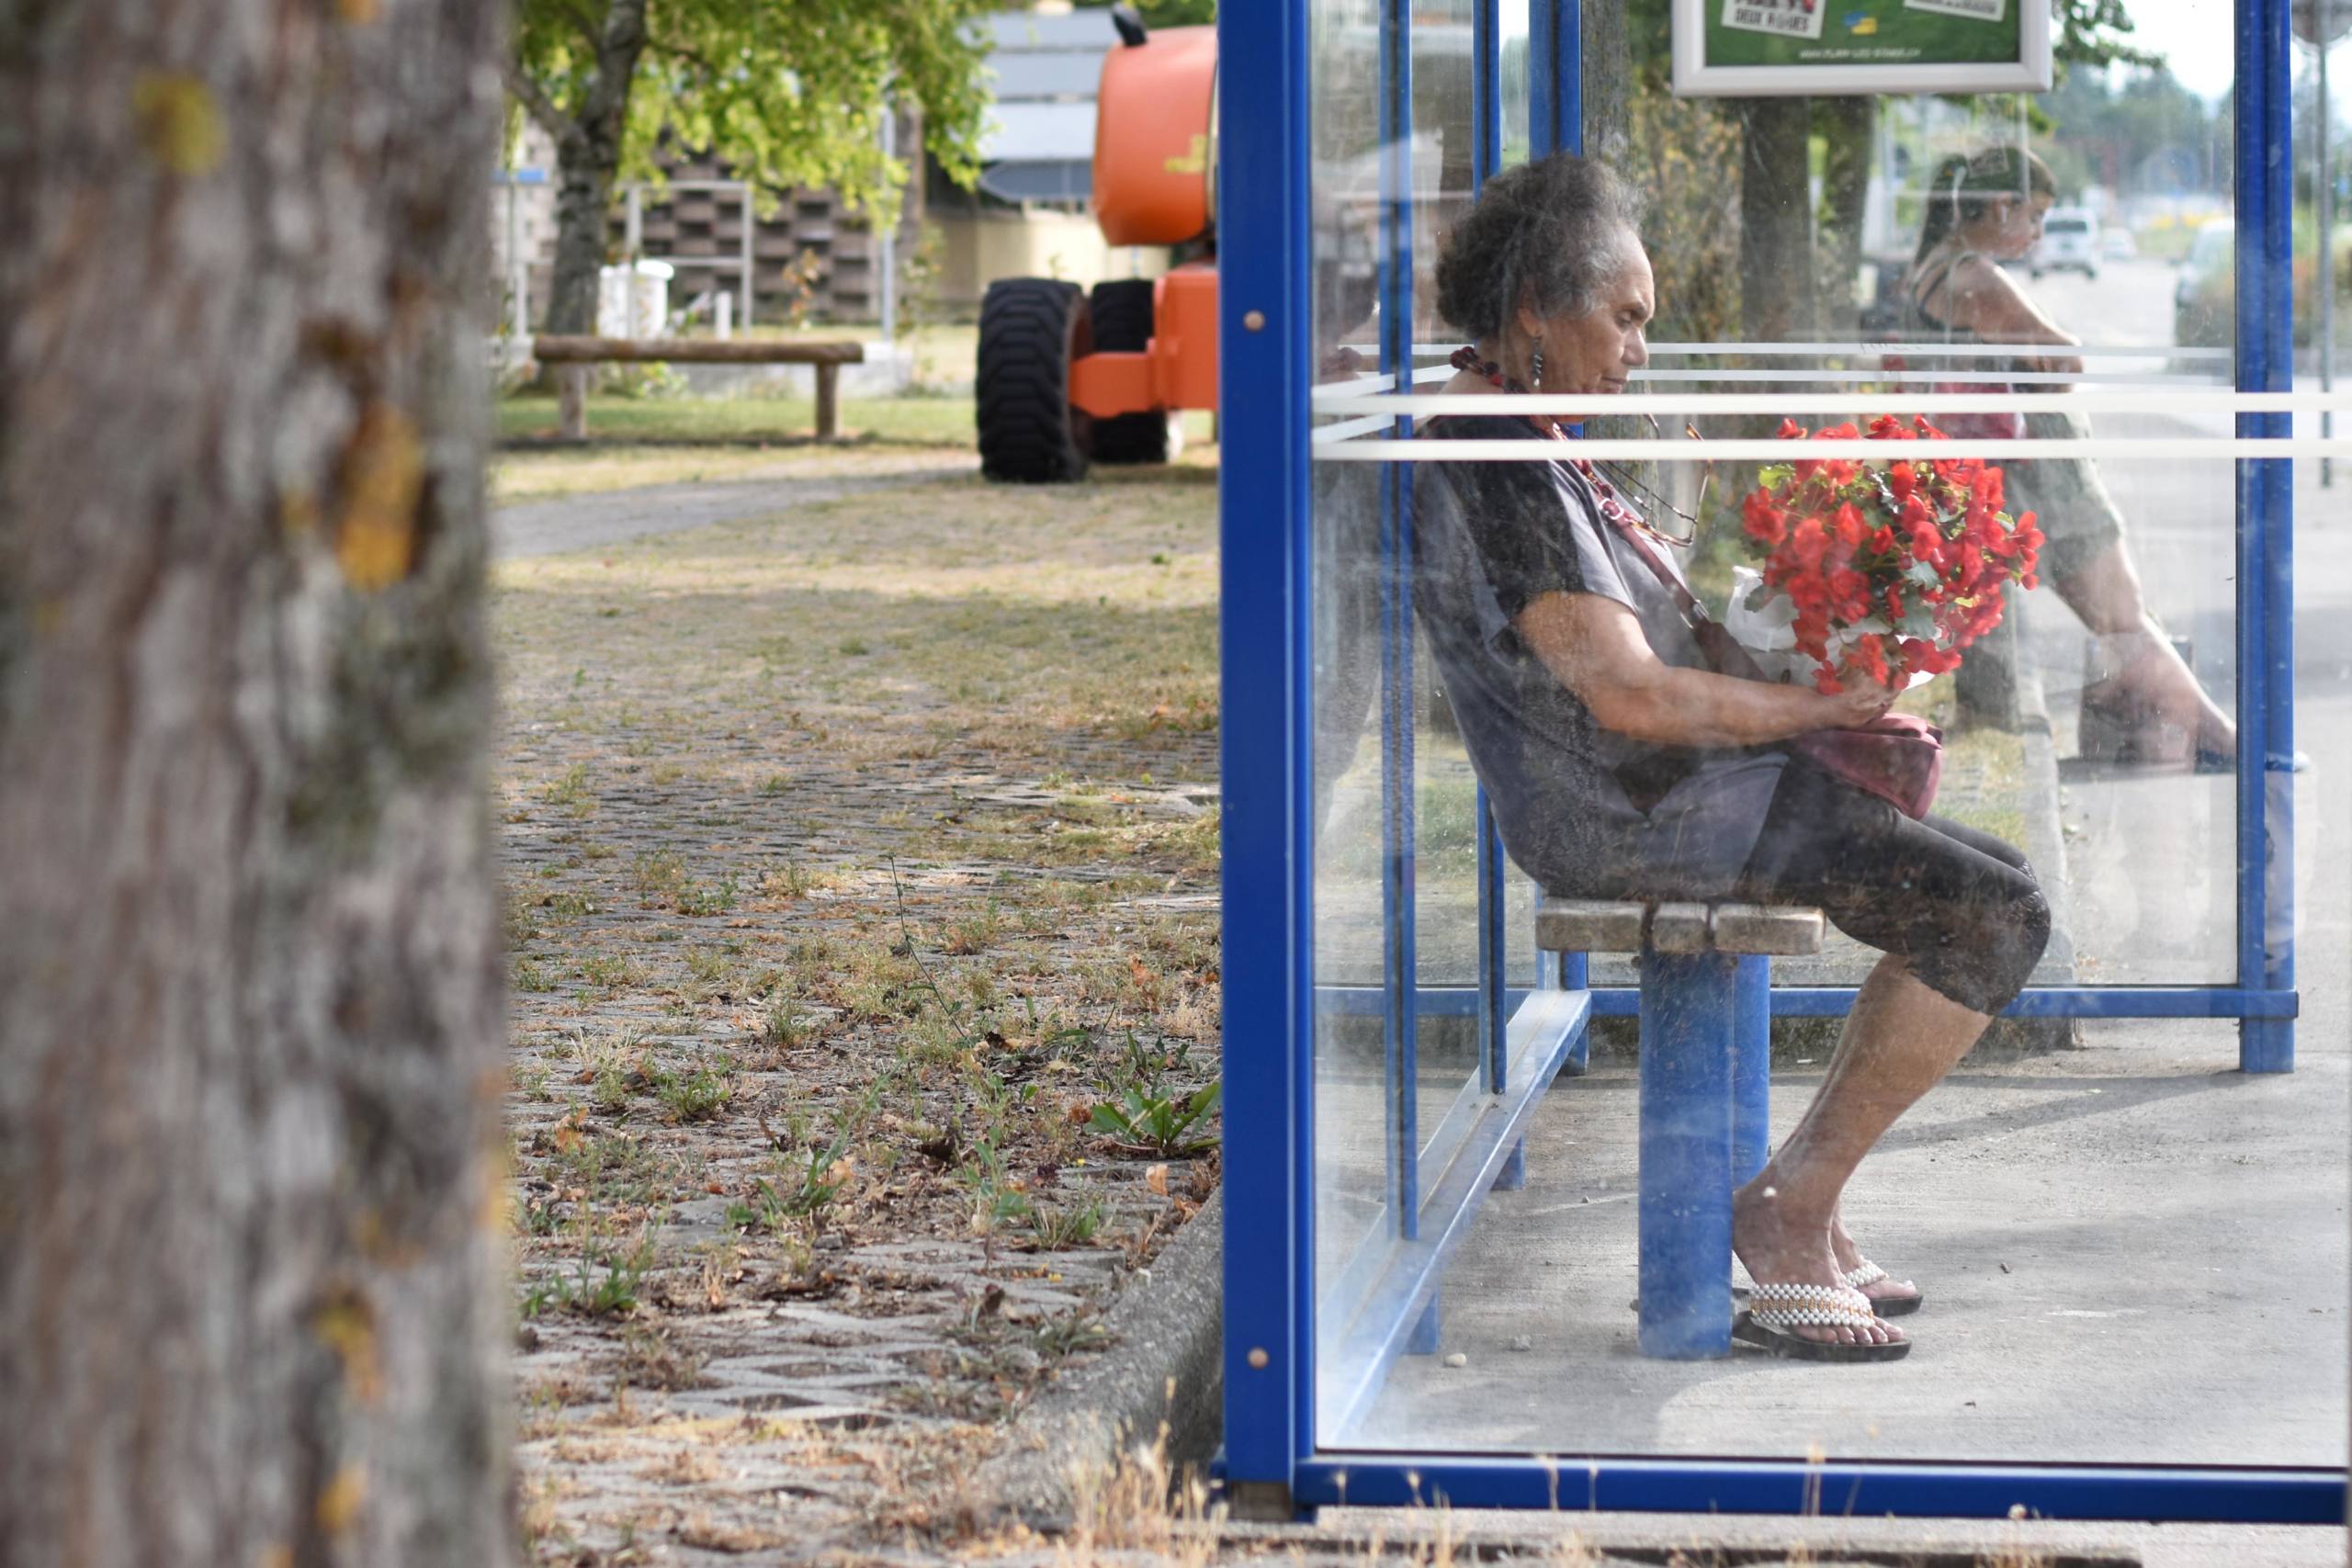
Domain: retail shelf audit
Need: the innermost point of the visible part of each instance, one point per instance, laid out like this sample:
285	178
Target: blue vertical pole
1555	124
2266	836
1751	1069
1555	76
1494	1017
1686	1152
1400	1035
1265	336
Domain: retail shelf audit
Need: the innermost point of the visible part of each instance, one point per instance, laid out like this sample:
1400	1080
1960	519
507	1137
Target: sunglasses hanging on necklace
1468	358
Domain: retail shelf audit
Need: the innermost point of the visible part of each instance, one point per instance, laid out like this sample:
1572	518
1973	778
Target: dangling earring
1535	365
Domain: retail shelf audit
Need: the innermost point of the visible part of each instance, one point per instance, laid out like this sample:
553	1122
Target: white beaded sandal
1868	1274
1779	1308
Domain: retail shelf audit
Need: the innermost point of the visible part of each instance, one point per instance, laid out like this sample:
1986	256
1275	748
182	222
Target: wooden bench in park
573	356
1706	1046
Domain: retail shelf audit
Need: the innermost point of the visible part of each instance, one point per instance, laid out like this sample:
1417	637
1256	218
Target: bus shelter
1434	1174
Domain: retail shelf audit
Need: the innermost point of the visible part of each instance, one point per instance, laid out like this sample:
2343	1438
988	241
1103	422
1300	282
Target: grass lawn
926	420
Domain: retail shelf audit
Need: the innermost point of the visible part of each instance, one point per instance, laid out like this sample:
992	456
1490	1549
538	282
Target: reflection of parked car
2117	245
2069	240
2205	300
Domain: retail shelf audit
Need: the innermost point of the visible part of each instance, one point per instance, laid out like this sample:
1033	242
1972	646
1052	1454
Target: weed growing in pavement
531	976
657	873
782	1025
1058	1228
698	1095
611	974
571	790
976	931
998	1197
708	965
717	896
612	1294
793	880
809	1179
1143	1113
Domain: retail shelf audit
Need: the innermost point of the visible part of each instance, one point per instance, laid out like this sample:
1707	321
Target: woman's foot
1779	1246
1889	1297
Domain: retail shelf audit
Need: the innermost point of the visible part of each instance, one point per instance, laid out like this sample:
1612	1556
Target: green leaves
1158	1123
790	93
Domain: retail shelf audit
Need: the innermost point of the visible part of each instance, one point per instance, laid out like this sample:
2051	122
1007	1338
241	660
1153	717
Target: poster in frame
1771	48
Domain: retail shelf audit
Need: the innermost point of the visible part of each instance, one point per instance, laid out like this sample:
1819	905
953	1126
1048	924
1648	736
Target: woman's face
2011	228
1598	351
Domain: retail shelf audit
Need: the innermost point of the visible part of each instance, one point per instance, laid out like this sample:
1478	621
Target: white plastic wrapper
1763	621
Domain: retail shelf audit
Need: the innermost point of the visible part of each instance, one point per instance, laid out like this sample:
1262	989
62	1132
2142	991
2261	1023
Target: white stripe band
2165	449
1621	403
1930	346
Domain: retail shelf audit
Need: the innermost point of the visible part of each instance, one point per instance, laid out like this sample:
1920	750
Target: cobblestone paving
856	851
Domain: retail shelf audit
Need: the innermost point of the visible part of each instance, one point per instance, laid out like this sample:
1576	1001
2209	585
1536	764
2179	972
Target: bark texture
588	137
1609	87
1775	221
1849	134
249	993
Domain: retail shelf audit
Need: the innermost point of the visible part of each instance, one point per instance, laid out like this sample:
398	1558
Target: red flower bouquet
1879	571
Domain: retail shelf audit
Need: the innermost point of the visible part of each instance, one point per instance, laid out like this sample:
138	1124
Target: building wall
809	255
981	247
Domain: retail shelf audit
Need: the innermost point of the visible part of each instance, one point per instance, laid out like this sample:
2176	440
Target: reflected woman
2141	703
1622	766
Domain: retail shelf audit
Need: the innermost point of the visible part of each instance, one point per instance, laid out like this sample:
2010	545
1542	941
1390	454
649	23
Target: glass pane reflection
2099	1221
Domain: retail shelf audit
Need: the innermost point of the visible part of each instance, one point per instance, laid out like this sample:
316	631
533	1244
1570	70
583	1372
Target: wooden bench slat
1770	931
571	350
1679	928
1602	925
1587	925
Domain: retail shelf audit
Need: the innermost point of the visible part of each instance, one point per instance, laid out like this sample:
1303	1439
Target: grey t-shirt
1583	810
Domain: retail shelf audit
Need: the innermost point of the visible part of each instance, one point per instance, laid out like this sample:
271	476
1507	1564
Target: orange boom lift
1066	377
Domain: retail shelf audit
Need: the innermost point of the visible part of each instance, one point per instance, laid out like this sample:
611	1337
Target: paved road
583	522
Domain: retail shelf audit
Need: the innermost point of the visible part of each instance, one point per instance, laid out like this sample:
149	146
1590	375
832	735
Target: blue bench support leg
1512	1178
1751	1070
1423	1340
1686	1021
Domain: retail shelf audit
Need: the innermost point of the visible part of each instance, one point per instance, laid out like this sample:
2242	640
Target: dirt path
585	521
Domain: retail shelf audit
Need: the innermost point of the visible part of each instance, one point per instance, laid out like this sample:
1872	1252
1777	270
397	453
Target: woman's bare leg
1900	1039
2146	667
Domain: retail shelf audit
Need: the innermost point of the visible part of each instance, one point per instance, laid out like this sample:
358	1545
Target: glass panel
2072	1199
1512	37
1354	1145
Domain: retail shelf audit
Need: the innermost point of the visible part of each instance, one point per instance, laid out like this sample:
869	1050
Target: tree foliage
1166	12
788	92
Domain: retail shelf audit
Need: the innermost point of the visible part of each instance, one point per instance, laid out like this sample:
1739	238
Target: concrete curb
1165	1364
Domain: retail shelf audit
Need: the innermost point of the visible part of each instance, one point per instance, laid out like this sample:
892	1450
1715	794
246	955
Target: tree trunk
1775	221
250	1249
1850	136
588	157
1609	85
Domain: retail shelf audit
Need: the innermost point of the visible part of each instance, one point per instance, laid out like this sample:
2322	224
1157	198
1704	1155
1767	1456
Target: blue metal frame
1277	1437
2266	630
1265	332
1400	1022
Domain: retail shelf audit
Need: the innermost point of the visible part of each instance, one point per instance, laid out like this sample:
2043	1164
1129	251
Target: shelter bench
1706	1062
571	356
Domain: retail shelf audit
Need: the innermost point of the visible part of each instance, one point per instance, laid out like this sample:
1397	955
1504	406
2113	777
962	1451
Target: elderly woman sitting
1621	765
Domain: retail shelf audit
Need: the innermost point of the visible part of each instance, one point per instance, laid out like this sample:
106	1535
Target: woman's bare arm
1595	648
1980	297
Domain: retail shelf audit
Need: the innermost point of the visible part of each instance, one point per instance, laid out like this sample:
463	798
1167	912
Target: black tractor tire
1032	329
1123	325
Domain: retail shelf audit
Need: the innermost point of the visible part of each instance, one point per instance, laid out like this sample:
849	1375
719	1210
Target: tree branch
536	102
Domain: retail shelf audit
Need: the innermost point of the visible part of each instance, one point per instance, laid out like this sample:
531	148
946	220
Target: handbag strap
1716	643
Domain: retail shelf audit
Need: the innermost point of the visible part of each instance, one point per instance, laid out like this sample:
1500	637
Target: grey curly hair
1545	234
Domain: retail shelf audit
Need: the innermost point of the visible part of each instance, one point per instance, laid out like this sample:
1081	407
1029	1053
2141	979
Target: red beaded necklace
1612	506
